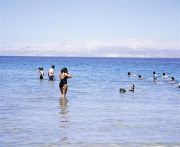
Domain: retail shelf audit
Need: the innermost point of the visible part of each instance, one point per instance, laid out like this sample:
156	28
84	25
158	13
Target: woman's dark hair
172	78
139	76
163	74
129	73
154	72
64	70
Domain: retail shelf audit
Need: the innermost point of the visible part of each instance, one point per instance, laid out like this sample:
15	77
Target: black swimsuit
51	78
63	82
41	77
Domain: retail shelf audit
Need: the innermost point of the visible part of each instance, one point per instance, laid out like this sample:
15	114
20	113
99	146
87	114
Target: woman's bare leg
64	90
61	89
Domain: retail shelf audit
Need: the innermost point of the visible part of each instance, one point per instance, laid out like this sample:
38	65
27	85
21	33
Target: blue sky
56	21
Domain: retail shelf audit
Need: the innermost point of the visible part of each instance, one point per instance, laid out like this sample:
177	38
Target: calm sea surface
95	114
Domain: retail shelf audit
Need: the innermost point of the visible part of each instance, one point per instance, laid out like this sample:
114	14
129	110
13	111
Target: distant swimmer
51	73
154	75
64	75
172	80
164	76
41	73
132	87
131	74
122	90
140	77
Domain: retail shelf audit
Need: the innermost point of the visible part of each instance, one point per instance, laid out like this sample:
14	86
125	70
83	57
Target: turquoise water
95	114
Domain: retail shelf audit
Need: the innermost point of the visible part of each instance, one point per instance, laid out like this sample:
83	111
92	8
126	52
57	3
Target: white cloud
117	48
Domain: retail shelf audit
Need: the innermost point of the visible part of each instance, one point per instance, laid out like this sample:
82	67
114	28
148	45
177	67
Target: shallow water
95	114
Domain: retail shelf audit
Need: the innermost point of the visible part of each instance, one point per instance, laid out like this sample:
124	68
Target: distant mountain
123	48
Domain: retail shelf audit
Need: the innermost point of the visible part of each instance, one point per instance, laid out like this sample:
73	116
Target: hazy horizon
104	28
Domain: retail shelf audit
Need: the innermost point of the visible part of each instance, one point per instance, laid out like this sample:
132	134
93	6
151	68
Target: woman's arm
68	75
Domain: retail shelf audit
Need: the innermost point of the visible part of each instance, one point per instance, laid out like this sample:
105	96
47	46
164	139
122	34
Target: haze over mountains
119	48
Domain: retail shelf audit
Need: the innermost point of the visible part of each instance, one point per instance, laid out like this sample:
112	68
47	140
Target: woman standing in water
41	73
64	75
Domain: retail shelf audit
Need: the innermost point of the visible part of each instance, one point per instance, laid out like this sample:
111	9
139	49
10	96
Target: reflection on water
63	104
63	120
51	82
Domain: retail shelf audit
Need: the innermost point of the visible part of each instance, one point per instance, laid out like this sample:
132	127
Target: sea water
94	114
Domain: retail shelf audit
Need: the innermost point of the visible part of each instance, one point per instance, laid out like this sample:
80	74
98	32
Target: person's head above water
132	85
53	66
40	68
129	73
164	74
154	72
139	76
172	78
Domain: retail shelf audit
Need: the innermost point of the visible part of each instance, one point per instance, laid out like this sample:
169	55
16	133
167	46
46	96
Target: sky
72	27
